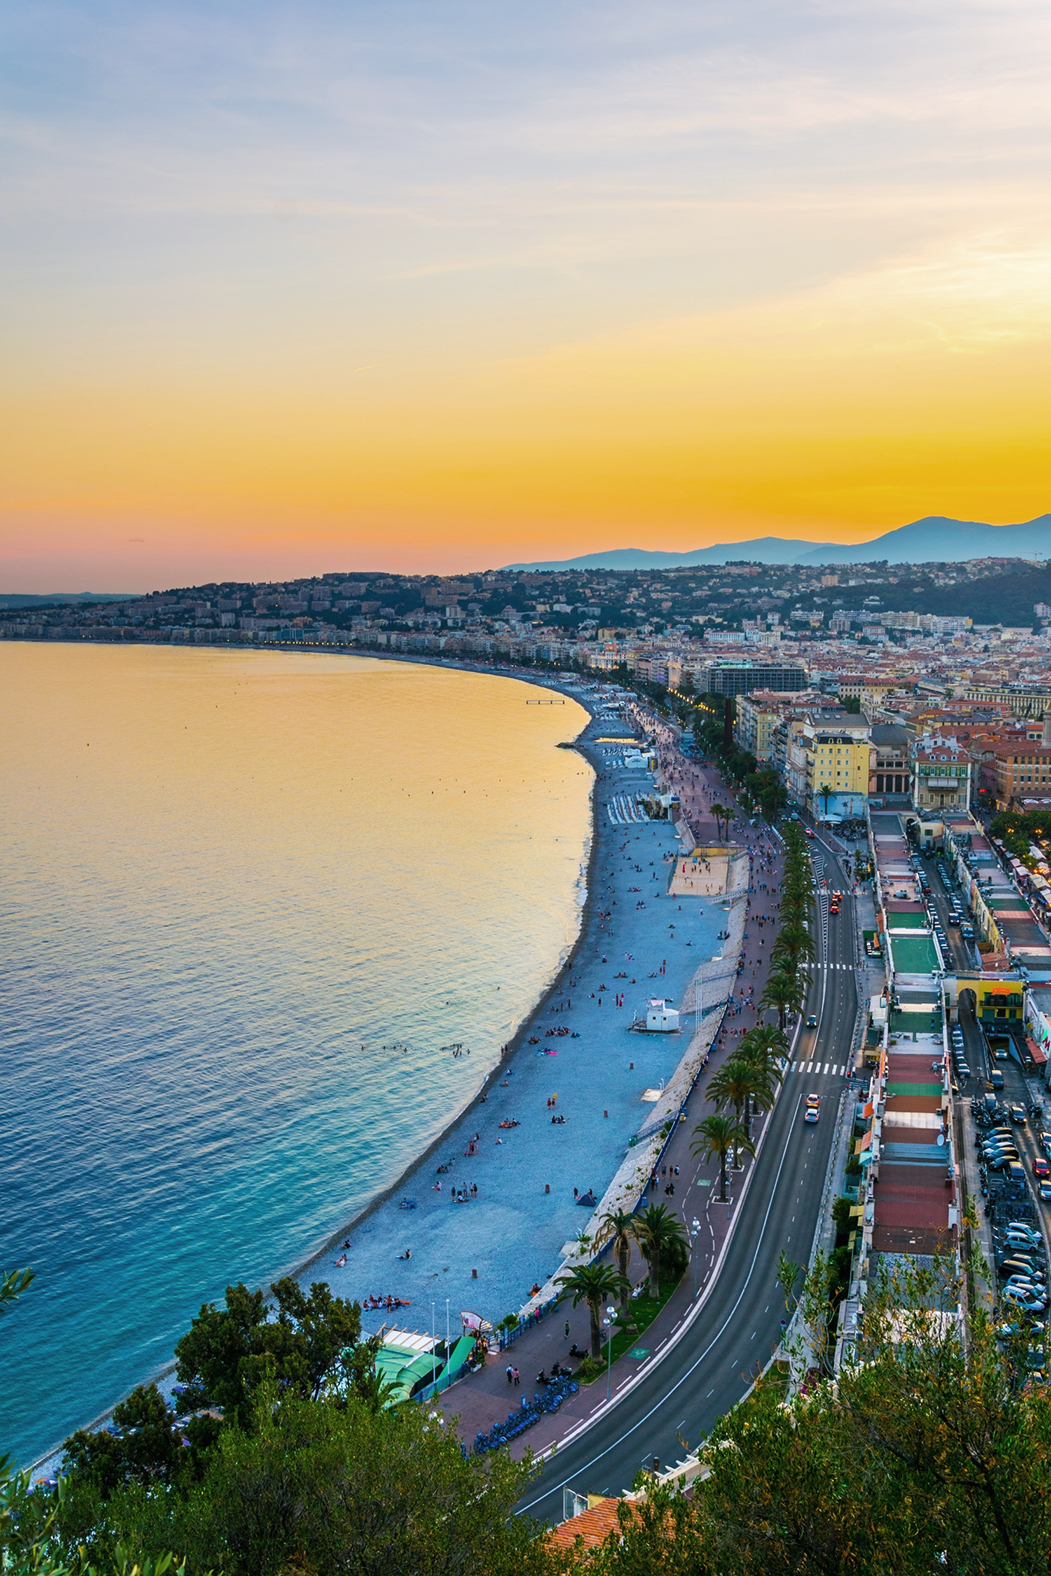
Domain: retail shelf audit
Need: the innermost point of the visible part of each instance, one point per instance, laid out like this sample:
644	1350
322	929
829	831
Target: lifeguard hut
661	1017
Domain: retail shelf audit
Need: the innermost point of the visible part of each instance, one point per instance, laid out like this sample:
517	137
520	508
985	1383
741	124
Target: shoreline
590	926
511	1046
52	1455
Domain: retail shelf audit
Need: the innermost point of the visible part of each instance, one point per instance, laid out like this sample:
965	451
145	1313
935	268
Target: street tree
593	1284
621	1222
783	993
660	1234
719	1135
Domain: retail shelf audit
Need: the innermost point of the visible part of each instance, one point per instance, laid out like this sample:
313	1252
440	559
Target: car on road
1041	1169
813	1100
996	1078
812	1112
811	1020
1044	1191
1045	1143
999	1054
1016	1113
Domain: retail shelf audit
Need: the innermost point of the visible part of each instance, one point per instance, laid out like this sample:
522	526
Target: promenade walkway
485	1397
485	1253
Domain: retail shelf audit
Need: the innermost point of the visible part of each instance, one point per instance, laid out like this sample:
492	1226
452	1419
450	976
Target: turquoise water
249	902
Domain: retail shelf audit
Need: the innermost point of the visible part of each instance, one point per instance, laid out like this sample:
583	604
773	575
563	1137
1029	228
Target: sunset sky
442	285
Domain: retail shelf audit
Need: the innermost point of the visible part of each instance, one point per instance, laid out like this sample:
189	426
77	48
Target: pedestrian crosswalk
833	1069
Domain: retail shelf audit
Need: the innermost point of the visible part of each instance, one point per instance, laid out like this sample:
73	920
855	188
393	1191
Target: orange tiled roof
594	1526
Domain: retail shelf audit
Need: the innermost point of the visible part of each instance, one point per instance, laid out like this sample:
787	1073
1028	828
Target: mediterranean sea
250	902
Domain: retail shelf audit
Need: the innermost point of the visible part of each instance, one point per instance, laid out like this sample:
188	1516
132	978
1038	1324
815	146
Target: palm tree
732	1085
621	1221
768	1045
655	1230
718	1135
761	1093
794	941
783	993
593	1284
722	813
826	791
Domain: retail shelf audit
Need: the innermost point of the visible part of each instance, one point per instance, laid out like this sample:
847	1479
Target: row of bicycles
528	1413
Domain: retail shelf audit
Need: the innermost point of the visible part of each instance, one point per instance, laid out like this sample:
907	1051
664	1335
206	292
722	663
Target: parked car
1031	1303
1022	1228
1018	1262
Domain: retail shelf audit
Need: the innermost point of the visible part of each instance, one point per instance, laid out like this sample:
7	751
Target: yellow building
758	716
837	769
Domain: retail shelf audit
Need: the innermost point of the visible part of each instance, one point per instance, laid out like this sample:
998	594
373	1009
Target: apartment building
1020	770
758	718
941	775
829	764
890	773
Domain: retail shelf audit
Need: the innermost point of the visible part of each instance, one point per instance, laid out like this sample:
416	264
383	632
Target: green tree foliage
784	993
12	1284
332	1488
300	1341
719	1135
593	1284
928	1454
658	1231
147	1449
620	1221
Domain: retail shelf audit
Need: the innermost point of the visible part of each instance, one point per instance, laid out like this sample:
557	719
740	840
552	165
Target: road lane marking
554	1487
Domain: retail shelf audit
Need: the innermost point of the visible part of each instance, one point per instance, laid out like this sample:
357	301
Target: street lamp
695	1227
608	1322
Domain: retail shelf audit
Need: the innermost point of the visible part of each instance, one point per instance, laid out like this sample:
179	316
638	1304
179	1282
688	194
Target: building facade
941	775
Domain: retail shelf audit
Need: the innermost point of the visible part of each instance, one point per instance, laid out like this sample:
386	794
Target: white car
1032	1302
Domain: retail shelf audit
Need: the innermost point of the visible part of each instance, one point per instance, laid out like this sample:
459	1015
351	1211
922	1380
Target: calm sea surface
246	899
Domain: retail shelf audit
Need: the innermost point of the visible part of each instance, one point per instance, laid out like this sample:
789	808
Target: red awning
1035	1052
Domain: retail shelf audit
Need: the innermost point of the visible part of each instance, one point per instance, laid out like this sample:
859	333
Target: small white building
661	1017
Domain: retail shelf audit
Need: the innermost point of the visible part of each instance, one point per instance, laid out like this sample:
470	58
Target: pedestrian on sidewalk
510	1374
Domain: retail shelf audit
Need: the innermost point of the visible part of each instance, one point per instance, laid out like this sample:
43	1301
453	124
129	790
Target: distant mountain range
934	539
17	599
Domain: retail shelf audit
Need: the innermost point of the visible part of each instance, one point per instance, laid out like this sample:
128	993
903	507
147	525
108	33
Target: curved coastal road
675	1405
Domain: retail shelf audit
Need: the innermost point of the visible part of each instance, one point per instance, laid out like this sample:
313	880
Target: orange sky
407	313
